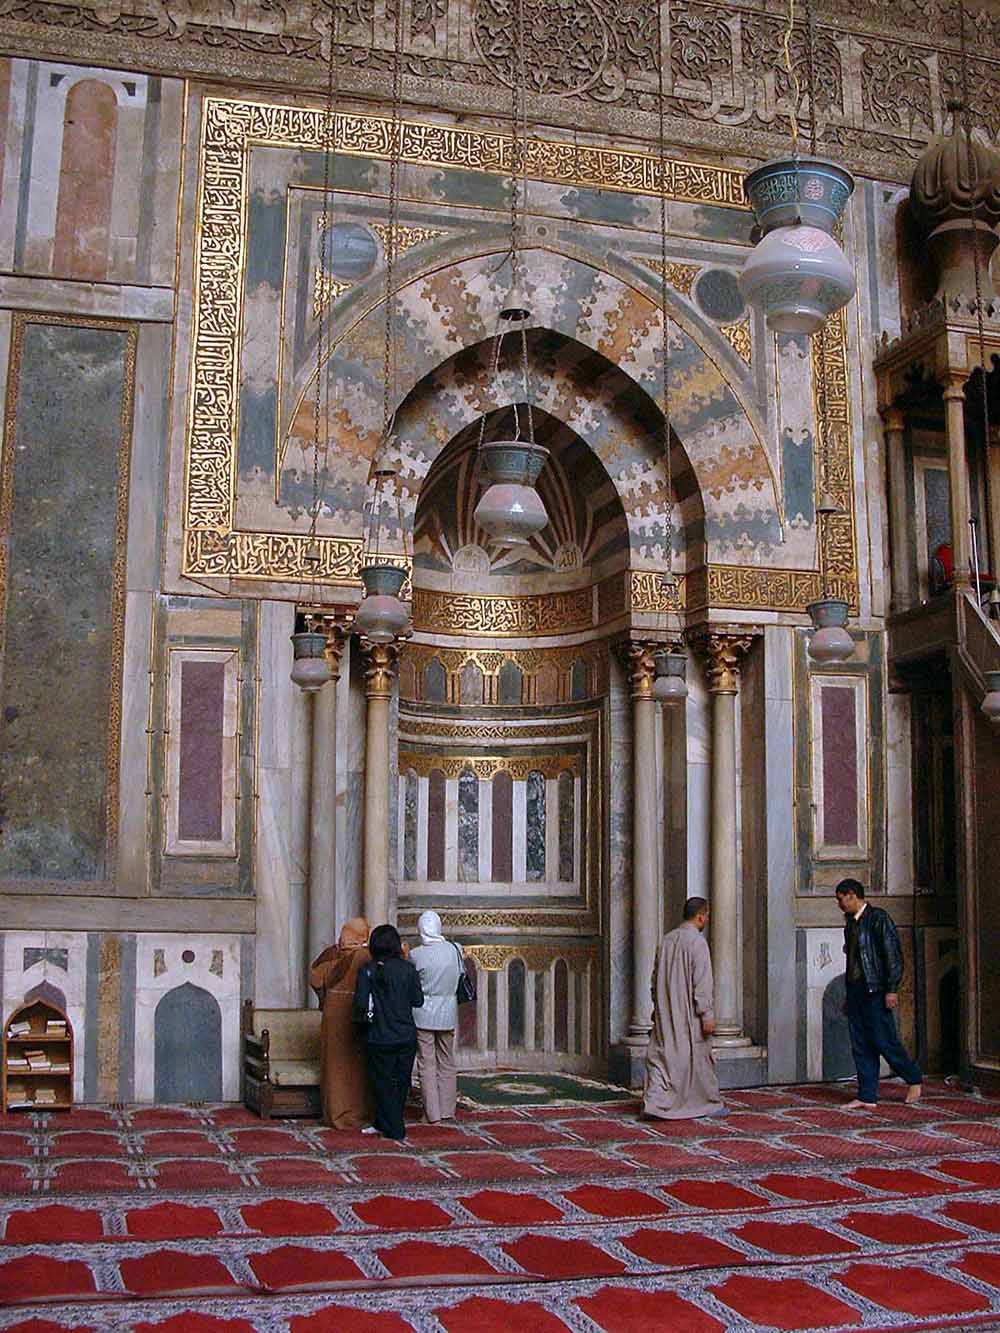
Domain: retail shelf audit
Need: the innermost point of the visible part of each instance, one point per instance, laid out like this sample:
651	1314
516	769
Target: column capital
953	384
894	418
380	667
337	632
638	658
724	651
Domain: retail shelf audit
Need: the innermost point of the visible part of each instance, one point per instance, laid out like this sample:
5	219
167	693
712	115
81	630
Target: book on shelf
38	1061
19	1029
61	1068
55	1027
45	1096
17	1062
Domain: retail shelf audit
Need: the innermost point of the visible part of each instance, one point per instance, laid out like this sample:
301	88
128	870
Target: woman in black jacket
385	995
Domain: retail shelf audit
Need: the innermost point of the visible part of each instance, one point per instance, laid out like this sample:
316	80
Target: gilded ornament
650	596
213	548
724	653
536	957
640	660
739	338
406	237
503	617
584	919
380	667
486	767
325	290
680	276
491	731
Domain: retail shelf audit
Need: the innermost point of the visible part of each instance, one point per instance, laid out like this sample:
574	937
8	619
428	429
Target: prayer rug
791	1213
479	1091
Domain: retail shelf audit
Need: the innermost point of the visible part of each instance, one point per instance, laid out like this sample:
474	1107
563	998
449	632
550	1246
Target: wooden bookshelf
50	1072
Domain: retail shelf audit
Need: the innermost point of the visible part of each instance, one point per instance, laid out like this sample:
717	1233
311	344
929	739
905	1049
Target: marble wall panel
165	966
282	842
77	138
70	389
827	1038
619	855
202	752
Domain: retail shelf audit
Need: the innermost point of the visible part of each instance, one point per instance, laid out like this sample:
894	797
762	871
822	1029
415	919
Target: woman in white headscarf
439	963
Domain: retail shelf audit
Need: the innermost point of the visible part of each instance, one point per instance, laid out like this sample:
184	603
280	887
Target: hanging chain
522	79
321	428
665	317
515	144
391	238
811	73
389	355
793	79
819	360
966	125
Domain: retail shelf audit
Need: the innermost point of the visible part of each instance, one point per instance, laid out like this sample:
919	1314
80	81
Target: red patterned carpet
790	1214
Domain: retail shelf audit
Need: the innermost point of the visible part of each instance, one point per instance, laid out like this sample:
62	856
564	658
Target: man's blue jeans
873	1033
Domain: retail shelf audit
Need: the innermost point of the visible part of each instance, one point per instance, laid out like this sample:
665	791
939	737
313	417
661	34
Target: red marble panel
199	785
503	828
435	824
840	766
86	182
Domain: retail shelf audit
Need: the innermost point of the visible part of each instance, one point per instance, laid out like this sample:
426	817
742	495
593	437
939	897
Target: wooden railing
978	641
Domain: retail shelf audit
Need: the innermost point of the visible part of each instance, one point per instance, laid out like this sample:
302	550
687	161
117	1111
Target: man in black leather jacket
874	971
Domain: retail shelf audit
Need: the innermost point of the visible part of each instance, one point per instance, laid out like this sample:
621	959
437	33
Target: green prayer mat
478	1091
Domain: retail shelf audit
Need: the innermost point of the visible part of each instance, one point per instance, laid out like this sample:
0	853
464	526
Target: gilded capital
337	635
380	667
724	653
639	659
895	419
953	385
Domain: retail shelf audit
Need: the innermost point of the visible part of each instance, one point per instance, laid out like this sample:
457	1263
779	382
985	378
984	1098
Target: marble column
724	652
380	665
646	923
900	534
958	479
322	911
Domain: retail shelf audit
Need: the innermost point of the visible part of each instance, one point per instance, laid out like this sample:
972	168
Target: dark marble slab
59	670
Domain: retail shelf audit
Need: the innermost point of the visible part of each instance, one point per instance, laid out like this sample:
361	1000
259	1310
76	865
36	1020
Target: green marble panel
59	672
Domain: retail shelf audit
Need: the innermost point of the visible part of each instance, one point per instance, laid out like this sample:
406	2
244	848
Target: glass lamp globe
381	617
669	684
991	701
831	644
798	276
511	510
310	669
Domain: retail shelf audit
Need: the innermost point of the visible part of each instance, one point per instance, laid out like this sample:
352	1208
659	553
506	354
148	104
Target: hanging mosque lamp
797	273
510	510
381	616
669	682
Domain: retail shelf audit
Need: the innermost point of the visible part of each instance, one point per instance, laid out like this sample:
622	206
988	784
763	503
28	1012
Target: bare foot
859	1106
914	1092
